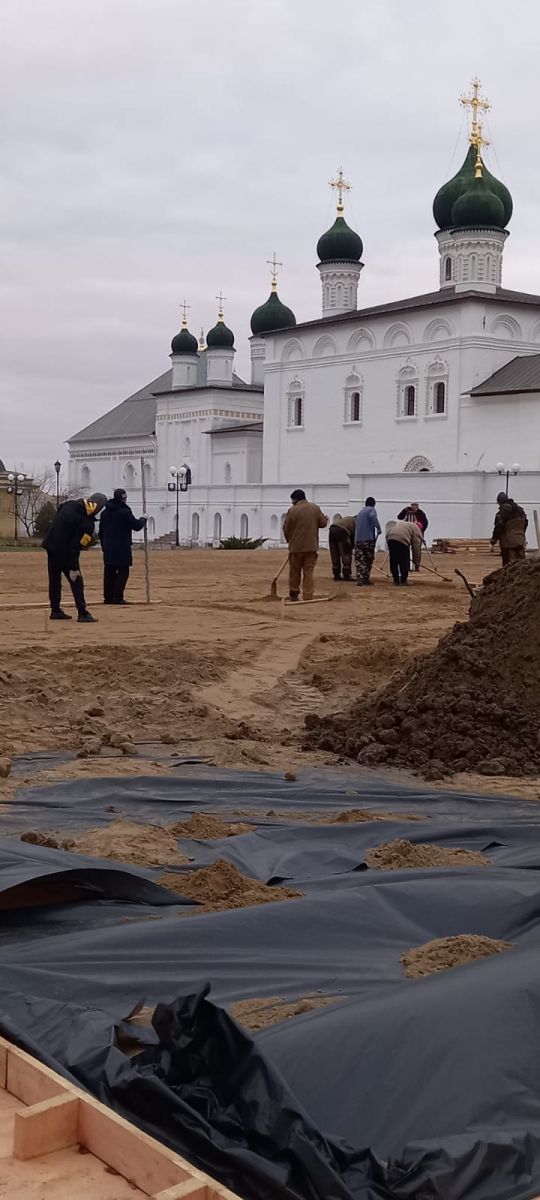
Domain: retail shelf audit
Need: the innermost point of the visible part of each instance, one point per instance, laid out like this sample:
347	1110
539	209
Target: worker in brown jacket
301	532
509	529
341	546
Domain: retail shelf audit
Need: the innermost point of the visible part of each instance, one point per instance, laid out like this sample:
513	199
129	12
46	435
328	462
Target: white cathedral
417	399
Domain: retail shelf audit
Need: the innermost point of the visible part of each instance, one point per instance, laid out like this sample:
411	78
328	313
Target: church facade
393	400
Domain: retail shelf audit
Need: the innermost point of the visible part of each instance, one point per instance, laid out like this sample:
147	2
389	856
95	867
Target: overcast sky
153	150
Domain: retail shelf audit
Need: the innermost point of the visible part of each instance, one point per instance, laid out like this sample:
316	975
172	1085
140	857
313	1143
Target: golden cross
274	264
184	308
220	300
477	107
340	186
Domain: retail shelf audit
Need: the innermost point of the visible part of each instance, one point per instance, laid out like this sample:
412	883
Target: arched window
217	527
244	526
129	475
418	463
410	400
86	478
440	398
228	473
407	388
295	404
355	406
195	524
151	526
448	269
353	392
274	525
148	474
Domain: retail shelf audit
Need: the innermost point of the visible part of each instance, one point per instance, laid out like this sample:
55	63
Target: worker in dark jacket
115	529
509	529
341	546
413	512
71	531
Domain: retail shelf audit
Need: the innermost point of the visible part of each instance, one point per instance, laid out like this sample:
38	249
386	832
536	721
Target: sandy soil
212	667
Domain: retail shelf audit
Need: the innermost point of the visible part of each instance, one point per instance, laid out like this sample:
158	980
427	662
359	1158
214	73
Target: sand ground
212	667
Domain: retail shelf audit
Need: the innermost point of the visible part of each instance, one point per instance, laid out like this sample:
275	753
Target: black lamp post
57	466
15	490
182	479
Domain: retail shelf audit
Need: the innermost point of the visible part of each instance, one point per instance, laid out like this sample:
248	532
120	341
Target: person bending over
71	531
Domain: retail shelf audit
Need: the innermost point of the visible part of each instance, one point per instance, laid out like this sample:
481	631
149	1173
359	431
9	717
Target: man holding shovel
301	532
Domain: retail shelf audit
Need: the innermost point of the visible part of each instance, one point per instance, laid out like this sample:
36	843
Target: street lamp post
182	480
508	471
57	467
15	490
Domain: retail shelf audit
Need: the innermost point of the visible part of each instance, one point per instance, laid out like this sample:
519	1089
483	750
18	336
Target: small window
448	269
355	406
410	400
440	398
298	417
244	526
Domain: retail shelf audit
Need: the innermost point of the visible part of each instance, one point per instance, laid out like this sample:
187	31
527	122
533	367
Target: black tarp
437	1078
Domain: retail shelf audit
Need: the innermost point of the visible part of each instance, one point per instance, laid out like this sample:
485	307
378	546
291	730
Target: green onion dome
478	207
272	315
220	338
184	342
340	243
449	193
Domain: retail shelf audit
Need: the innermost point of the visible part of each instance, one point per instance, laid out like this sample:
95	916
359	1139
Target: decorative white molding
353	395
436	373
475	257
397	334
339	283
407	377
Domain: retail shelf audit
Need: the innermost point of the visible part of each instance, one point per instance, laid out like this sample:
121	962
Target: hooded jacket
72	528
510	525
115	529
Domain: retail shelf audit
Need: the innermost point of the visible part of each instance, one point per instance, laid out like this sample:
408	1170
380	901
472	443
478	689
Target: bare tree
37	490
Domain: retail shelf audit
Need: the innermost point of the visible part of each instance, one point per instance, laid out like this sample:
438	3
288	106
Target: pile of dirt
402	855
259	1014
443	953
140	845
223	886
205	825
473	703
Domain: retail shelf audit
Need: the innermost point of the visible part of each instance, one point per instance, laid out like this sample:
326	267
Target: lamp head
500	468
516	468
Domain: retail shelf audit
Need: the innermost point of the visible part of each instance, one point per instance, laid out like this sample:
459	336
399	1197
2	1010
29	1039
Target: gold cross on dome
184	310
477	106
340	186
220	300
274	264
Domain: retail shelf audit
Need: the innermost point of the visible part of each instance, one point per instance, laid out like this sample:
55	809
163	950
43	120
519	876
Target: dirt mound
259	1014
473	703
141	845
402	855
204	825
443	953
223	886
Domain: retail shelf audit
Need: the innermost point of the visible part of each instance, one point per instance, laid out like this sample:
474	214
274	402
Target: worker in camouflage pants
366	533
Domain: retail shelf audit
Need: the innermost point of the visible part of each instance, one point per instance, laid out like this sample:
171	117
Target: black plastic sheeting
398	1088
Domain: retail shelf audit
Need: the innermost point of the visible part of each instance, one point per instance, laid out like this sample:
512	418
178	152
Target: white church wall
500	428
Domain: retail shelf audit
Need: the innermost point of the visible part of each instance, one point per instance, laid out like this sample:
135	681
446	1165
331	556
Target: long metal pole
145	534
57	490
16	509
177	510
507	481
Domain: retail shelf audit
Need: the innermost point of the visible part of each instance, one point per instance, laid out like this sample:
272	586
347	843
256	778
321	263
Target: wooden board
55	1140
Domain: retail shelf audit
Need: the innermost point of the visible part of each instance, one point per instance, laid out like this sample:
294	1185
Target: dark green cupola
340	243
489	204
220	337
272	315
184	342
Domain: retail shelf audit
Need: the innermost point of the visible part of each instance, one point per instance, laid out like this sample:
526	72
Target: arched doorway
129	475
244	526
217	527
195	525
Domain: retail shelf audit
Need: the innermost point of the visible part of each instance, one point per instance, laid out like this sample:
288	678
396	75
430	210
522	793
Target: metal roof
427	300
136	416
521	374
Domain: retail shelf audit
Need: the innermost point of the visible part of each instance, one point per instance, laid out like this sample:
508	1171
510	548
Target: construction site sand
253	1014
222	886
140	845
401	855
205	825
472	703
442	954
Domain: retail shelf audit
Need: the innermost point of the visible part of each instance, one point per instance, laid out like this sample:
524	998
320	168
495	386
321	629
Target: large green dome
184	342
272	315
340	243
220	338
449	193
478	207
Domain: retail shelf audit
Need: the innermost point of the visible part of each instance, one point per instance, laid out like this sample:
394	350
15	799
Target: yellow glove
86	540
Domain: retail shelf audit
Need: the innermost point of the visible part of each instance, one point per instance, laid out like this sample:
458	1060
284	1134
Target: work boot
293	595
337	577
59	615
86	618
